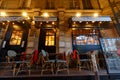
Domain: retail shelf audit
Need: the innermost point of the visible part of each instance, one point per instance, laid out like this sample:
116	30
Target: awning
90	18
11	18
39	18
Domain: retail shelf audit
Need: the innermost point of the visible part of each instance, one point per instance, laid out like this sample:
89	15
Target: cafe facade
57	28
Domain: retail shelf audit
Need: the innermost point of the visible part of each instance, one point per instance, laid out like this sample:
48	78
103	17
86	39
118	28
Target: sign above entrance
90	18
39	18
11	18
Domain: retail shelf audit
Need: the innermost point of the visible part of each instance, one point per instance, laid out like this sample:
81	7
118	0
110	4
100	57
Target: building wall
62	11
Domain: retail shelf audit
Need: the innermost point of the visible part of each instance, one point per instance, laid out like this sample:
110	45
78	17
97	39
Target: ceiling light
24	14
95	15
3	14
78	14
45	14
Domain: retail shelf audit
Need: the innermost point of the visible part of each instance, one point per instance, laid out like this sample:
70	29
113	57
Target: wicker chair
87	61
63	64
47	65
28	65
10	58
84	61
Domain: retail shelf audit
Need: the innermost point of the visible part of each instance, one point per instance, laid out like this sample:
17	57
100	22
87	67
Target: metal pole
95	68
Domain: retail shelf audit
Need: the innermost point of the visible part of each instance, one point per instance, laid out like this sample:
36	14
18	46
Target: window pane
50	38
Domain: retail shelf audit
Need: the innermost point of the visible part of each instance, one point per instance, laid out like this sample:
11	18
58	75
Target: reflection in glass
87	40
16	37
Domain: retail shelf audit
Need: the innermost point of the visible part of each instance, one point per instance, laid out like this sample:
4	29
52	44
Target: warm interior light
45	14
47	21
74	22
3	14
95	15
100	22
8	21
86	22
93	21
33	22
78	14
40	22
3	23
28	17
23	22
80	21
24	14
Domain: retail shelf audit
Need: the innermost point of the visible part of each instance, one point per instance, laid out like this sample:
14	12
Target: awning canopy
11	18
91	18
39	18
45	22
91	22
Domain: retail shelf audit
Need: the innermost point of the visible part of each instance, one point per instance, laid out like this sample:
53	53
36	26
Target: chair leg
14	69
79	67
68	70
42	72
29	72
20	66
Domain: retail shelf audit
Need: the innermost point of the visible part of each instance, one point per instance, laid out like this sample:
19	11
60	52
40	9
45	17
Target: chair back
11	53
44	56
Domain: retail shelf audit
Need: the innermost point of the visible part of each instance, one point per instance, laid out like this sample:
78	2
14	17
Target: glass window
74	4
50	37
85	37
50	4
16	37
87	4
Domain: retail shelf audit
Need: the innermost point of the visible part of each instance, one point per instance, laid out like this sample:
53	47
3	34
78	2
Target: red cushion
64	56
118	52
75	54
35	56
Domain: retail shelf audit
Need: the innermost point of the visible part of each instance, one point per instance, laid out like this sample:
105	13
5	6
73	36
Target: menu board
110	47
109	44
